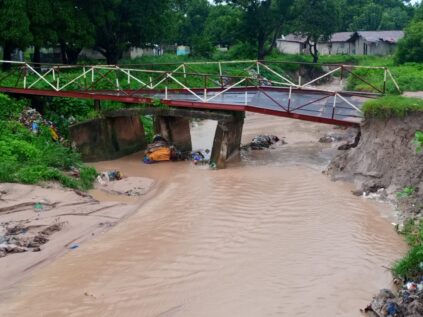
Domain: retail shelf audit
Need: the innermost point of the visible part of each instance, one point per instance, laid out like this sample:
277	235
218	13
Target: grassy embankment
410	266
31	158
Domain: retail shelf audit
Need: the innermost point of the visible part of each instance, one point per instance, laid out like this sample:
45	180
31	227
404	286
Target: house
292	44
375	42
354	43
337	44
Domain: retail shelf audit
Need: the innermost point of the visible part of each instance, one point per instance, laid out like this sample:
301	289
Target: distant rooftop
386	36
369	36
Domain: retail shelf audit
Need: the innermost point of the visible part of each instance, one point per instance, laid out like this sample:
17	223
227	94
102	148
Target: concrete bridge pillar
176	130
227	141
108	138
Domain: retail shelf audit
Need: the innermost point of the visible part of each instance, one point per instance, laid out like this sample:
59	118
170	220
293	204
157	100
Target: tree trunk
314	52
63	52
261	49
7	56
73	55
37	55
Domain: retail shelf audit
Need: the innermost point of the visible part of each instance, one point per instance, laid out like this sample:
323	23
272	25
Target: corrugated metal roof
386	36
369	36
341	36
293	38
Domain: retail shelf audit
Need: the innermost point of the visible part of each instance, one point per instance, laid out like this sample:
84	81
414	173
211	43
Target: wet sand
270	236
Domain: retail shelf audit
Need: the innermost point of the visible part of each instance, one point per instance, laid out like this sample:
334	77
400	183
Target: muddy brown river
270	236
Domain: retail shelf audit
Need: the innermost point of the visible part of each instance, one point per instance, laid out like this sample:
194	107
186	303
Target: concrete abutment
121	133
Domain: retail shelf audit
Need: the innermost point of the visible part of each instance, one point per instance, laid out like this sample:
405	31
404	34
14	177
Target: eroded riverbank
271	236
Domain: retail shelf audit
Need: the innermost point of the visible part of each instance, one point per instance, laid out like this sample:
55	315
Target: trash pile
261	142
109	176
18	238
33	120
201	157
409	302
160	150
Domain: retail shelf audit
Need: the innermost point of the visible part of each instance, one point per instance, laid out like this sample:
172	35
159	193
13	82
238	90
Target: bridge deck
261	87
309	105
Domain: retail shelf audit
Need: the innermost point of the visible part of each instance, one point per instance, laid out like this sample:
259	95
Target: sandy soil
74	216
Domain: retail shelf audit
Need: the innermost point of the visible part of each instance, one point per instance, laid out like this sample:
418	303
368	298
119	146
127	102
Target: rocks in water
261	142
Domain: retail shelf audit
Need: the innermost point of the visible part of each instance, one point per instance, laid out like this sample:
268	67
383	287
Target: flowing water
270	236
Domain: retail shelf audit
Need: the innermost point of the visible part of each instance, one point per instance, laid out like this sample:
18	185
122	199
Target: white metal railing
50	75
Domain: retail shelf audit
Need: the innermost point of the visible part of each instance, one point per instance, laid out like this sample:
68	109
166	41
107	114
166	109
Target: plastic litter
411	286
74	246
38	207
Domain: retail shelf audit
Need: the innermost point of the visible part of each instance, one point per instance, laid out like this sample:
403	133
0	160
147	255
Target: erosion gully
269	236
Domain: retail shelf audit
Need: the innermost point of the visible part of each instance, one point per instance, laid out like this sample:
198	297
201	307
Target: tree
410	48
223	24
262	22
121	24
14	28
373	15
75	30
41	26
316	20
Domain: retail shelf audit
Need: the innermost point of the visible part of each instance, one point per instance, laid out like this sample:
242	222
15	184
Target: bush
410	48
411	265
29	158
418	140
10	109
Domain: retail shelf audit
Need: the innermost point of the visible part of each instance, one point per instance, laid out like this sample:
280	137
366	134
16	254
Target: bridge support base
227	141
176	130
108	138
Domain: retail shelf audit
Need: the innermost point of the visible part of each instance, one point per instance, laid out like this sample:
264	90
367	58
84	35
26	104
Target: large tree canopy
262	22
76	30
410	48
316	20
14	27
121	24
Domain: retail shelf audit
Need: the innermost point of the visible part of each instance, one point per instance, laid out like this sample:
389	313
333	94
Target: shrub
31	158
418	140
410	48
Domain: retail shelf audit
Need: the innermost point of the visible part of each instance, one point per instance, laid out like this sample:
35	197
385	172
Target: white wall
288	47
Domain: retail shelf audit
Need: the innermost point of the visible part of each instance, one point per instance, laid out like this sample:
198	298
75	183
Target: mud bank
386	162
39	223
385	157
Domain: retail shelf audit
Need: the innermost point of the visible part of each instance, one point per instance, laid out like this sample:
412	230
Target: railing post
25	76
58	78
205	88
167	82
289	98
334	106
385	75
246	93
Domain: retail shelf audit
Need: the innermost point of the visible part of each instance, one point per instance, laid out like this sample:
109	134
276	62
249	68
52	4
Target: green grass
31	158
391	106
411	266
147	122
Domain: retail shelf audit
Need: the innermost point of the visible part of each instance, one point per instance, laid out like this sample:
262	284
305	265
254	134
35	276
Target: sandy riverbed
270	236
